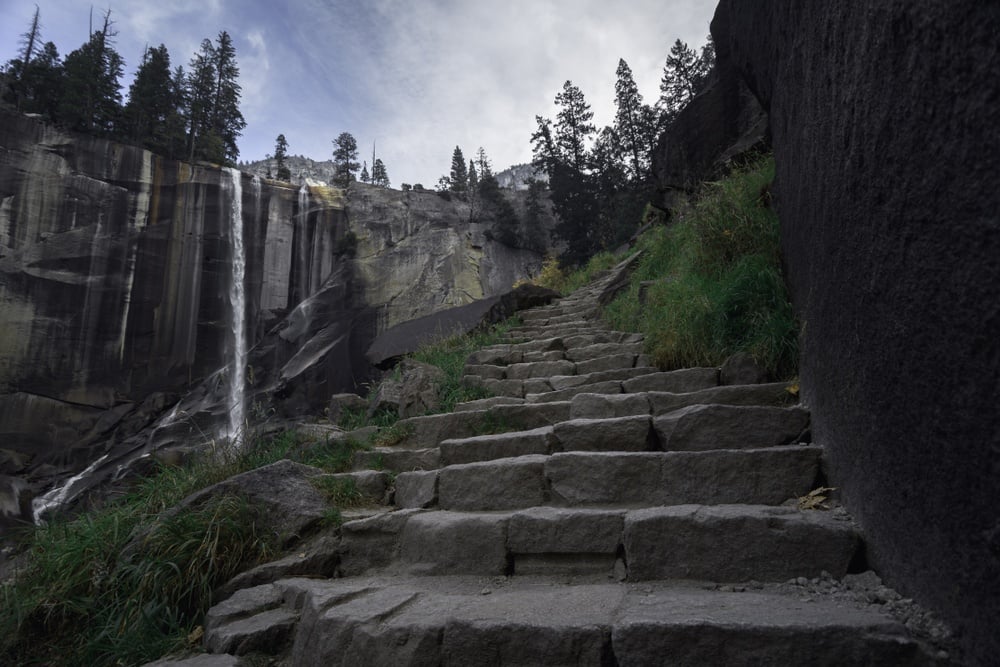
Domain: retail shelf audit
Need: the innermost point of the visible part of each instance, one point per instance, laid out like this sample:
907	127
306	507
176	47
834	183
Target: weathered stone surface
497	446
736	543
741	368
775	393
512	388
536	386
597	350
486	403
679	382
411	391
632	433
416	489
341	403
397	459
632	479
485	371
696	627
429	430
266	632
551	355
606	363
539	369
408	336
603	406
373	542
455	543
542	530
493	485
600	478
896	283
606	387
317	556
701	427
495	355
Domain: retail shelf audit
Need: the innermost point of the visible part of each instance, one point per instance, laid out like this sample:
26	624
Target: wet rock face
115	271
883	115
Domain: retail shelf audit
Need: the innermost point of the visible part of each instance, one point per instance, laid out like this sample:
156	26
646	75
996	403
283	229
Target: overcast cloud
417	77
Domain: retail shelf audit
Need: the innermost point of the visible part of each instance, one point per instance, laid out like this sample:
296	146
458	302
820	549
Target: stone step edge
592	622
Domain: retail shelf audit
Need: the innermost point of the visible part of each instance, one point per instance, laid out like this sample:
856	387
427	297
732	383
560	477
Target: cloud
417	77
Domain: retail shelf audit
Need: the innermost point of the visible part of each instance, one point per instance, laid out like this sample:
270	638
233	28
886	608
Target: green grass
91	594
714	278
449	354
564	281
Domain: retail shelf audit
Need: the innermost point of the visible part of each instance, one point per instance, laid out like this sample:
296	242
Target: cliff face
883	117
115	273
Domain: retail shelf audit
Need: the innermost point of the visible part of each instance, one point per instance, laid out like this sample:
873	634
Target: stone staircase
594	512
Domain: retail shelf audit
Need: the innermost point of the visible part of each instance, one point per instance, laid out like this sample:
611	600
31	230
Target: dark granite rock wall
884	122
115	270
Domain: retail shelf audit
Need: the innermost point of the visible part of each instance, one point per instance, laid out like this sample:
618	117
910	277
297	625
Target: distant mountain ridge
301	168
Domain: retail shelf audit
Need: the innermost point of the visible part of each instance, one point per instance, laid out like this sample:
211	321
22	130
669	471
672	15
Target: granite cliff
115	272
883	122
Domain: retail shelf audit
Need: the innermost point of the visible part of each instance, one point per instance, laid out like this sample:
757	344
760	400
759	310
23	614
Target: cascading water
237	301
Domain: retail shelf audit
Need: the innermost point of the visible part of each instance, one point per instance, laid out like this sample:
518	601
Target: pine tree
380	176
91	100
573	127
483	164
151	100
473	178
227	122
635	129
365	177
282	172
19	67
459	176
682	77
200	85
345	159
39	89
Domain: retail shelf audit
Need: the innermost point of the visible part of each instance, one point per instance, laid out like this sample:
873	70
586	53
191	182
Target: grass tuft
711	284
91	594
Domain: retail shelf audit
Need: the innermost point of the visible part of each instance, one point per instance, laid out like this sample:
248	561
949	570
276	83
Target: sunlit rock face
115	269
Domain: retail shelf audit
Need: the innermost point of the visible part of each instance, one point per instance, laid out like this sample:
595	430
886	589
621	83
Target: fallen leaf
196	635
816	499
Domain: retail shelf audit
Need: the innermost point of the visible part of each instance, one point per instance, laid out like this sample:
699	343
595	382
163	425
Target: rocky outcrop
883	120
115	272
722	123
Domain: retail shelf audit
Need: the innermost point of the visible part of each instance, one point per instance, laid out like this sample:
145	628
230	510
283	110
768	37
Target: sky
414	77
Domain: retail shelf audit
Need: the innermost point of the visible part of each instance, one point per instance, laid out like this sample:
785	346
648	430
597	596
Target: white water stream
237	302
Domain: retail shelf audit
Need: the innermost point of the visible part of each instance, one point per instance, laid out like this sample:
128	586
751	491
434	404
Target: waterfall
237	300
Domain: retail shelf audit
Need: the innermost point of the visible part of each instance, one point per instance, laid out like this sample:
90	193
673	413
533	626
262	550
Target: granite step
770	475
464	620
725	543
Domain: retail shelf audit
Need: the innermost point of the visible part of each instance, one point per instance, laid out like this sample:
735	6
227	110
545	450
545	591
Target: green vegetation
449	354
565	281
93	594
709	284
712	282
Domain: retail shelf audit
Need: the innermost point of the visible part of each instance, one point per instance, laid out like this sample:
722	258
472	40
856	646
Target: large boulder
883	116
406	337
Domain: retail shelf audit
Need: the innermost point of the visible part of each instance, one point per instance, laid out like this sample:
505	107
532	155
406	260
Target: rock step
722	543
768	476
510	353
695	428
429	430
459	620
